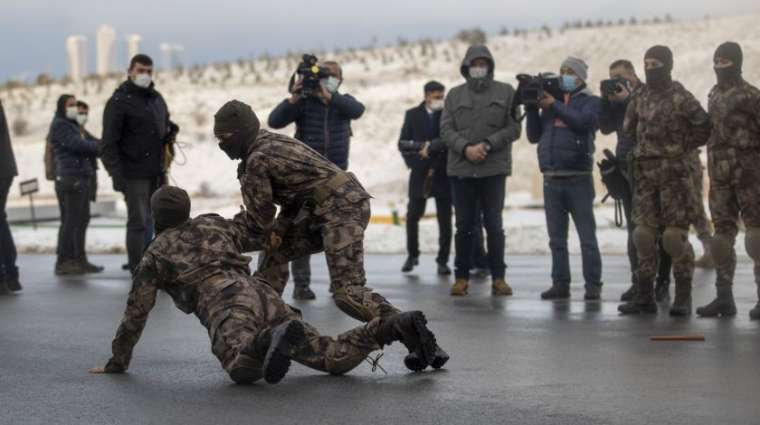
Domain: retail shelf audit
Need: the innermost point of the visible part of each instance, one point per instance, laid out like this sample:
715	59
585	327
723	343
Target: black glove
119	183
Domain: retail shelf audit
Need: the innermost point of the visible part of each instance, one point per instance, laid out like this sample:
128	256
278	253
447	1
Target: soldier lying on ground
253	333
322	208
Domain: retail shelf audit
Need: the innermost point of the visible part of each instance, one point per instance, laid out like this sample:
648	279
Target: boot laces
375	362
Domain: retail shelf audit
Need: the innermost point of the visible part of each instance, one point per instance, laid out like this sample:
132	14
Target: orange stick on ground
678	338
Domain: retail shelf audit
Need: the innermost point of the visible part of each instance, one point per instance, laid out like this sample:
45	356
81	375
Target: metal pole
31	207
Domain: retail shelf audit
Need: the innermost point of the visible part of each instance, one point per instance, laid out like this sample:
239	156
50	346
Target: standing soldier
667	123
322	208
733	154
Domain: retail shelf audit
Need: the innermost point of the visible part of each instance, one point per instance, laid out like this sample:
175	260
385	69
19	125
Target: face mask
72	112
478	72
569	83
658	77
332	84
436	104
233	145
82	119
143	80
727	74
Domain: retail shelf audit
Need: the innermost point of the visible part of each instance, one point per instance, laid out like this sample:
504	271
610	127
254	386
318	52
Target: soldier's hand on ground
547	101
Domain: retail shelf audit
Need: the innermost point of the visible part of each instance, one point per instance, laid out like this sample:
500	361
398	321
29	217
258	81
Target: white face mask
143	80
72	112
436	104
82	119
478	71
332	84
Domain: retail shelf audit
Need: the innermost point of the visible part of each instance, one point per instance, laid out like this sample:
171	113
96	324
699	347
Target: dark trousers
566	197
414	212
300	268
74	203
8	269
139	220
489	192
664	262
479	257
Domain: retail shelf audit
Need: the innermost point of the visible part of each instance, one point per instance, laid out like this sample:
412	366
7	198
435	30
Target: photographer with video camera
565	130
322	117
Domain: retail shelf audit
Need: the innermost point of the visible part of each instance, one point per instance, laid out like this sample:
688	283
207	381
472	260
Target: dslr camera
531	88
613	87
310	74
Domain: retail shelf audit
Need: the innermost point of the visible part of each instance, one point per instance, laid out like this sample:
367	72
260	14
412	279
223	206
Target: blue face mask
569	83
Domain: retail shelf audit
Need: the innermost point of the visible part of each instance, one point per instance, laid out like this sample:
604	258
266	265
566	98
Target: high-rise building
76	47
173	56
106	46
133	46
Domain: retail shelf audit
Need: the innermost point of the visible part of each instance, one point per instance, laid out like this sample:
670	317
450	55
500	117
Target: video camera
410	146
531	88
311	74
612	86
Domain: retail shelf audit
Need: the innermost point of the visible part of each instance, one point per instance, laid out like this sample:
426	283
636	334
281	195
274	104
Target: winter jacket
136	130
565	134
7	159
420	126
611	118
326	128
71	150
479	111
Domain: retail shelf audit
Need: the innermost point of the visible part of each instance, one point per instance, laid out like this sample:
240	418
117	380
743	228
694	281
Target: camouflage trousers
663	198
247	309
340	234
701	222
734	194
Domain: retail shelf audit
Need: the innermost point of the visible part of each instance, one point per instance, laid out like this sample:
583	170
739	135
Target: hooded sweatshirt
480	110
73	152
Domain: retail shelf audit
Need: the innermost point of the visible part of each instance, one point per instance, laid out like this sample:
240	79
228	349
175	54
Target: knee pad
674	240
721	246
645	241
354	301
752	243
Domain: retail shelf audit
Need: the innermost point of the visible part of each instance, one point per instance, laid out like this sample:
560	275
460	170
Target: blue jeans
565	197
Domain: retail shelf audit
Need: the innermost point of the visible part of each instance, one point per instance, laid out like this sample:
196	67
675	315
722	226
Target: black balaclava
733	52
170	207
235	125
660	78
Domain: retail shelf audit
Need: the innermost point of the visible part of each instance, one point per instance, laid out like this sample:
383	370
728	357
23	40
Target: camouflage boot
460	287
411	329
643	302
69	267
283	339
501	288
682	303
722	305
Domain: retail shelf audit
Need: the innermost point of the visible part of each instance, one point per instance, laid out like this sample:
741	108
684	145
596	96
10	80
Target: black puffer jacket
7	160
73	152
136	127
324	128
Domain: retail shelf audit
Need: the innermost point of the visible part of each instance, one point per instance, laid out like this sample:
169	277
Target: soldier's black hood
170	207
477	51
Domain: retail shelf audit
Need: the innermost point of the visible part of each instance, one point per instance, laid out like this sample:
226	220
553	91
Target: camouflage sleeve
246	240
258	196
631	121
141	299
697	117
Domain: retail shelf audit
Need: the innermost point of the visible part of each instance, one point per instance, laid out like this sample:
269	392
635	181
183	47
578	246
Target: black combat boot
722	305
283	339
682	303
643	302
410	263
443	269
662	290
410	328
754	314
556	292
303	293
629	293
3	286
89	267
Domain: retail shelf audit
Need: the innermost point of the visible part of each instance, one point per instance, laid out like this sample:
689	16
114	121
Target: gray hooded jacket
479	111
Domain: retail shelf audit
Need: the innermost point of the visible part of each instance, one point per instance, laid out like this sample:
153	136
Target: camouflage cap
170	206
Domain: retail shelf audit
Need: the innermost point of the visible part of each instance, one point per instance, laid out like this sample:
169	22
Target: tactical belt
323	192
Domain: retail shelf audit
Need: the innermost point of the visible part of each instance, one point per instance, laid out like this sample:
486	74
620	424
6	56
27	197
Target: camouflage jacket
735	114
283	171
665	123
182	261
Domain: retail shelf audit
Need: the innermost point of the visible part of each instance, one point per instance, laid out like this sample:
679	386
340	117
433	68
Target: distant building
173	56
76	48
106	50
133	46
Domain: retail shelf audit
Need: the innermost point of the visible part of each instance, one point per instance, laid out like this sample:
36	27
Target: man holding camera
478	126
565	130
323	122
425	154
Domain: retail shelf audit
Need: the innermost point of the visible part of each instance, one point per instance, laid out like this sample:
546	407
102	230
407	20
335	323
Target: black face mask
658	78
728	74
234	145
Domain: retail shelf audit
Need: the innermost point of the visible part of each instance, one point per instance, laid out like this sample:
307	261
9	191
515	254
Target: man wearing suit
425	154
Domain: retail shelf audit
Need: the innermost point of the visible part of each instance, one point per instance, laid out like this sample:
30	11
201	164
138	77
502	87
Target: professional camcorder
310	74
410	146
613	86
531	88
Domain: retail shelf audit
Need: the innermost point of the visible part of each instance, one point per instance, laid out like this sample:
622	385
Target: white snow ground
388	81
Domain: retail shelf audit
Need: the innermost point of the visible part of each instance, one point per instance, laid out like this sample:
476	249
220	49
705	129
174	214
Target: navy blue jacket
73	152
423	127
324	128
565	133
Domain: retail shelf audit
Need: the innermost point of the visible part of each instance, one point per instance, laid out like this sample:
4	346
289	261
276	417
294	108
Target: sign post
30	187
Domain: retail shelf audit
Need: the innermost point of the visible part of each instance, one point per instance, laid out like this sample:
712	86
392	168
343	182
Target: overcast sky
33	32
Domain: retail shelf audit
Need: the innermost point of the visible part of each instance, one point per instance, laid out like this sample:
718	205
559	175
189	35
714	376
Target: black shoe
662	291
414	362
443	270
681	306
284	338
69	268
629	294
125	266
722	305
410	328
13	284
556	292
3	287
91	268
409	264
634	307
303	293
593	293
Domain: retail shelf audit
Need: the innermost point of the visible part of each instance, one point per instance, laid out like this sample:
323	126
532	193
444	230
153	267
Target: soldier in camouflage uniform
667	123
322	208
253	332
733	154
